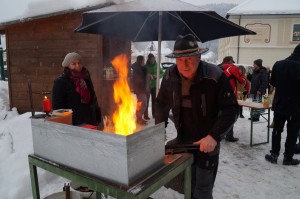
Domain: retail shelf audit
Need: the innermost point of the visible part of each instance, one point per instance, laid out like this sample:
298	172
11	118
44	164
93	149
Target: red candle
46	105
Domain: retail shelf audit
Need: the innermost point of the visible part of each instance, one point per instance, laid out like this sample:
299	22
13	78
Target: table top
254	105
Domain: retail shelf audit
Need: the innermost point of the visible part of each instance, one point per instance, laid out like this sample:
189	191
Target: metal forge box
117	158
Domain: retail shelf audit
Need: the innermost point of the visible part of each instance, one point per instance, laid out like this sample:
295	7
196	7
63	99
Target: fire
124	117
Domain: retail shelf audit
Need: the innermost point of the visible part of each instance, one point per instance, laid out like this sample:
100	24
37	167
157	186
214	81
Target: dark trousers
293	126
256	113
241	110
153	97
230	133
142	99
203	182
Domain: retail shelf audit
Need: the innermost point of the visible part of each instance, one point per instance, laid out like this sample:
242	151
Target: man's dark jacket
64	96
286	79
139	78
259	80
214	104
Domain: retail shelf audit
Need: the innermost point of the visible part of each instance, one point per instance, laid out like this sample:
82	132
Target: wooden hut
35	50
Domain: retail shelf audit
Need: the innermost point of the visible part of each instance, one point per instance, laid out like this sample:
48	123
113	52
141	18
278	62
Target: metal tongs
181	148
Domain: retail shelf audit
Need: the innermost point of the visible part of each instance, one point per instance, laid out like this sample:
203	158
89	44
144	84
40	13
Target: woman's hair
243	69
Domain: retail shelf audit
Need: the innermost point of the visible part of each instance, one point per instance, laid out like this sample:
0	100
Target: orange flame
124	116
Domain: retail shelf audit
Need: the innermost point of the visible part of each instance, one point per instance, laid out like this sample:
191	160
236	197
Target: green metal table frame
268	127
141	189
257	106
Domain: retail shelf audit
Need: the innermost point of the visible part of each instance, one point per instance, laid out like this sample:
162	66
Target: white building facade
277	27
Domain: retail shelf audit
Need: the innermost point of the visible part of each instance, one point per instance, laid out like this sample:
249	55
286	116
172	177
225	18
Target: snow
2	42
243	171
265	7
16	10
153	5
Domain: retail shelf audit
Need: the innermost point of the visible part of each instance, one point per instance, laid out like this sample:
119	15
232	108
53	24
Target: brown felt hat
186	46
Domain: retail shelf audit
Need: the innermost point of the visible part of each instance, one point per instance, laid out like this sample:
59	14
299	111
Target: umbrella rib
137	34
98	21
179	18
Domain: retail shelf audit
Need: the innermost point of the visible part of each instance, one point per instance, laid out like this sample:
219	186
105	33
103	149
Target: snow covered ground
243	171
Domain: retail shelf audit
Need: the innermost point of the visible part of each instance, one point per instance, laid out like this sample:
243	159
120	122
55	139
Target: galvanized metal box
117	158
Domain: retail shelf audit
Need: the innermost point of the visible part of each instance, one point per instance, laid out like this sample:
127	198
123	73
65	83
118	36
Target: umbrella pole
158	52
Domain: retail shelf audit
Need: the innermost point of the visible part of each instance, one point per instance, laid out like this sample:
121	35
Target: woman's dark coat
64	96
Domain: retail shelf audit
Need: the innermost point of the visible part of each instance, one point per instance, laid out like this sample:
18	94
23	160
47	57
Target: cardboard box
63	116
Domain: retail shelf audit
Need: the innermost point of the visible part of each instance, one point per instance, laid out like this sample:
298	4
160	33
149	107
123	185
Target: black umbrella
157	20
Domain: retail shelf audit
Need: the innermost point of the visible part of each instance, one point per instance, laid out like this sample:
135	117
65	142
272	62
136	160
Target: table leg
187	182
34	182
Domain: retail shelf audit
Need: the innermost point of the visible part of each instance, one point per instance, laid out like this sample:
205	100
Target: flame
124	117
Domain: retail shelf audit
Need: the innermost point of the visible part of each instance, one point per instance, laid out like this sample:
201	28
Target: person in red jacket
233	74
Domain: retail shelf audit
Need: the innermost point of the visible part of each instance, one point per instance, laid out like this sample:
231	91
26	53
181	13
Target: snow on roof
15	10
152	5
254	7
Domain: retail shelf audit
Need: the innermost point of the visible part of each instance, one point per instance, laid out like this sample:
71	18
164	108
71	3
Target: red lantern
46	105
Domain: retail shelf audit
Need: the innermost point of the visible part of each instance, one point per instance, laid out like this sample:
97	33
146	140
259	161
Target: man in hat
234	75
204	108
226	60
259	85
286	106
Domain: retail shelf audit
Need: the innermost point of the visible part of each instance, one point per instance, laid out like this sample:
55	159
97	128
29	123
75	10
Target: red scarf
80	84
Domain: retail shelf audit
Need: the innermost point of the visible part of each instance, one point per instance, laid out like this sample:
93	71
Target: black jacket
64	96
259	81
214	105
286	79
139	79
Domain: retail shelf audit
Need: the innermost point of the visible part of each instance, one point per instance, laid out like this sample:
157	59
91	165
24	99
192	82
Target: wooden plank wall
36	49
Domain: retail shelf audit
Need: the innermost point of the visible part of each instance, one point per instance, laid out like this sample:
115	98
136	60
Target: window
296	32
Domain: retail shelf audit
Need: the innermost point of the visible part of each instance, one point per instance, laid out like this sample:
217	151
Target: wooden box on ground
117	158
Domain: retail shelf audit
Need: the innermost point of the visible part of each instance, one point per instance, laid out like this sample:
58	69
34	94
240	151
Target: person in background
74	90
259	85
286	80
233	74
269	72
271	97
297	147
241	89
151	67
204	108
140	87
